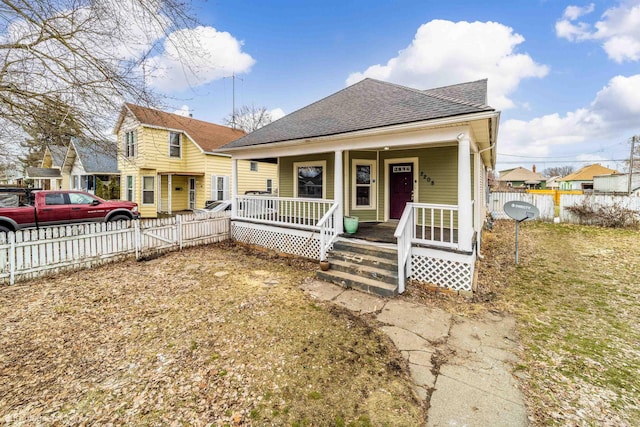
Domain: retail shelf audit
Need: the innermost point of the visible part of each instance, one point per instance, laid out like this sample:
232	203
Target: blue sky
565	74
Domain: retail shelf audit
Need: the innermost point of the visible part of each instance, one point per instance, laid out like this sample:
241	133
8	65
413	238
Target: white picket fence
567	200
544	203
28	254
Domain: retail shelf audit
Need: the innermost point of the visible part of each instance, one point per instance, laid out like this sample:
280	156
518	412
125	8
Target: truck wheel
119	218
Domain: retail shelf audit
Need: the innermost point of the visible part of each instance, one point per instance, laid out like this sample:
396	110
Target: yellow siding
249	180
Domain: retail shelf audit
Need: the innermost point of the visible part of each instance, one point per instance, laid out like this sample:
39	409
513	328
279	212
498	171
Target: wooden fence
28	254
567	200
544	203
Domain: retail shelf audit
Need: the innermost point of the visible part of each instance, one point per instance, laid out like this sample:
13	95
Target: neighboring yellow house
169	162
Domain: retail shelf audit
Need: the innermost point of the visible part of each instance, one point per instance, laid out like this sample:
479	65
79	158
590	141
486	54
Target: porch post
234	187
338	191
169	192
465	212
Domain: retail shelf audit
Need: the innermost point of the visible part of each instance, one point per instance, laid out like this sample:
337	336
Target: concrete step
356	258
363	284
386	275
346	245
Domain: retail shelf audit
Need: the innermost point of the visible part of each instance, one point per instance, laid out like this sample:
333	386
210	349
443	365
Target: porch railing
304	213
404	235
328	231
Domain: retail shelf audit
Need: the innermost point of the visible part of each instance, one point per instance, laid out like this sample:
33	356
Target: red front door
400	188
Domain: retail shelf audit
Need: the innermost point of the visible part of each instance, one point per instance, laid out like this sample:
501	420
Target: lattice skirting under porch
445	269
304	243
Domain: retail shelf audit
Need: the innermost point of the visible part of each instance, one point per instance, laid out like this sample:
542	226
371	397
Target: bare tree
82	58
248	118
558	171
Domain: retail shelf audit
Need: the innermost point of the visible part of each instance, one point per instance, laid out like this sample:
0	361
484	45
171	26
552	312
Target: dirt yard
207	335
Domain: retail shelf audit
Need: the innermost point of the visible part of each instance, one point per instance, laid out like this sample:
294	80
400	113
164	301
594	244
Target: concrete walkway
461	367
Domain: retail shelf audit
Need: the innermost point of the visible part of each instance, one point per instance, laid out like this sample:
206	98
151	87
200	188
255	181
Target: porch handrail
328	230
404	234
267	209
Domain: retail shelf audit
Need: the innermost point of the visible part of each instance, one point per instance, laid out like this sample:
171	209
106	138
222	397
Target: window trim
268	187
372	184
132	189
315	163
172	146
153	190
130	143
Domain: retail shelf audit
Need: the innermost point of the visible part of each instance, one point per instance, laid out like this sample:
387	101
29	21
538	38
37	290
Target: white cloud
445	52
618	29
610	118
277	113
184	111
574	12
211	55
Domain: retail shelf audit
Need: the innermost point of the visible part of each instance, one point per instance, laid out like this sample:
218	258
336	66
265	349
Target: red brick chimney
534	168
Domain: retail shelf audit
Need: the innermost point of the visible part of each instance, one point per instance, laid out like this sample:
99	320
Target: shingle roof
43	172
588	172
520	174
473	92
57	154
97	158
370	104
208	136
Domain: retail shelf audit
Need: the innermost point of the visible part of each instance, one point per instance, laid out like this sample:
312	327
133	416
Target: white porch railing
328	231
305	213
404	236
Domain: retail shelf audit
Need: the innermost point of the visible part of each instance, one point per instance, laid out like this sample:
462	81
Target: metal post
633	142
517	224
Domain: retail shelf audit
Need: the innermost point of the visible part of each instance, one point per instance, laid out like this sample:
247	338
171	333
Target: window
148	190
220	188
253	166
130	144
80	199
129	189
362	184
54	199
311	179
174	144
269	185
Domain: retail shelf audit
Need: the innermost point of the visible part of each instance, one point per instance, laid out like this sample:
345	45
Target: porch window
130	144
362	184
220	187
129	188
148	190
311	179
174	144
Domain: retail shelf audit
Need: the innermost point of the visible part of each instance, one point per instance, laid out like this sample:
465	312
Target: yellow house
169	162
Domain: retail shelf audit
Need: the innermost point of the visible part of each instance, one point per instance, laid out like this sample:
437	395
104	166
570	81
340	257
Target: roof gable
96	158
520	174
368	104
207	136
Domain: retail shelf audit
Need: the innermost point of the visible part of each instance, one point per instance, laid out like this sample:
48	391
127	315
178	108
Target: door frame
387	188
194	192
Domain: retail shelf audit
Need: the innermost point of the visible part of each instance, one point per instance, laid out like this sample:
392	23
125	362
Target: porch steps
363	266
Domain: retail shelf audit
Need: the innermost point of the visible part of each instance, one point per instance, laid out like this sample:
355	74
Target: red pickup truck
21	208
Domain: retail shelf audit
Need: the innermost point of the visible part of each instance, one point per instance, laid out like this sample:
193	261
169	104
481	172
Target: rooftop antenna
233	78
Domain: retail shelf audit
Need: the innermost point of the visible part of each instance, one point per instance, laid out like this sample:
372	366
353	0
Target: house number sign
401	169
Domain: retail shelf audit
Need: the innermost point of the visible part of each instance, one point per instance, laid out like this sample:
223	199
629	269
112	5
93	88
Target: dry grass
209	335
575	295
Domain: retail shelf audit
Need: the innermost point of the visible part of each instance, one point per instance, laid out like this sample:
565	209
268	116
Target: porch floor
383	232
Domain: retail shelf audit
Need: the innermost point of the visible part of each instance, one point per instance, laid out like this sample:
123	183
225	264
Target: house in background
617	184
410	164
553	183
521	178
170	163
48	175
582	179
92	167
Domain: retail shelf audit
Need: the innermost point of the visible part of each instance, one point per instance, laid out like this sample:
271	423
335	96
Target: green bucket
350	224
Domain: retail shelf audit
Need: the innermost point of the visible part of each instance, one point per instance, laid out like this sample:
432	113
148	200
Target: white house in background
617	184
93	167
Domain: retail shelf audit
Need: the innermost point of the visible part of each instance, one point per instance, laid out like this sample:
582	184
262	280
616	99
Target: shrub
615	215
